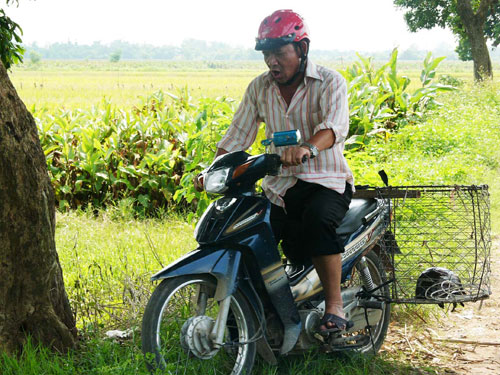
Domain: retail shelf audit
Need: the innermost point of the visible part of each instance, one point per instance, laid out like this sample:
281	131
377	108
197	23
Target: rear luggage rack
437	226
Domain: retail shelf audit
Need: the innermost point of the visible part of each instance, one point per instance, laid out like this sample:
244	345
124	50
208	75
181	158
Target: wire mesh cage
439	243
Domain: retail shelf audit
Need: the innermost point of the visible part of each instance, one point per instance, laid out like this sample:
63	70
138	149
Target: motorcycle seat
353	219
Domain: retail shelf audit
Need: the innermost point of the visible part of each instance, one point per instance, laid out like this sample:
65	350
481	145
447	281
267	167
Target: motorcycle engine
310	322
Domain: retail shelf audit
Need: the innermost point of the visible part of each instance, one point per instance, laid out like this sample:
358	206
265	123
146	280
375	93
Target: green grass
81	84
82	89
97	357
107	262
105	357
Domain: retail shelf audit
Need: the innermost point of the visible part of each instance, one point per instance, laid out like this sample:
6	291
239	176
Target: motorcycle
234	296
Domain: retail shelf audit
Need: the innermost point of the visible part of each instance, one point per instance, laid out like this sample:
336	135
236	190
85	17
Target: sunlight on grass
81	84
107	264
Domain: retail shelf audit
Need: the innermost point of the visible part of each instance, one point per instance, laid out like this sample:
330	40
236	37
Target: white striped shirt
319	103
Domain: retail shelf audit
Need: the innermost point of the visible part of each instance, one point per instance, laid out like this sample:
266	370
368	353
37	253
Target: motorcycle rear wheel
173	310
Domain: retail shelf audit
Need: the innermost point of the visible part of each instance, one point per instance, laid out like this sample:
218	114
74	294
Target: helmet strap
302	67
303	60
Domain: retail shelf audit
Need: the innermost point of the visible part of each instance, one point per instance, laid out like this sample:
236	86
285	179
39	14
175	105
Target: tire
378	331
176	300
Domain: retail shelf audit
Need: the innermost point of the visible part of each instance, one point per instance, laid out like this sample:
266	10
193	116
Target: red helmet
280	28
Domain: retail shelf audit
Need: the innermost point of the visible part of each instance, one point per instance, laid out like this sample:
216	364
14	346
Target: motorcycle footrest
372	304
341	344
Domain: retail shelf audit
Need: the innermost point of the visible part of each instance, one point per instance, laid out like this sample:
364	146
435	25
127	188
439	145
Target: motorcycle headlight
215	181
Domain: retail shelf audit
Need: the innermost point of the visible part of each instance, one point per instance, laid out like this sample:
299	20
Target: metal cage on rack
438	247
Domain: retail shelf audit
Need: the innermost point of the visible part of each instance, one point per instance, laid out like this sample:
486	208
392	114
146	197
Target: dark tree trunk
480	56
33	300
474	27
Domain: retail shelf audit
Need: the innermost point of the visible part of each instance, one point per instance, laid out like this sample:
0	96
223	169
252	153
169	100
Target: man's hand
293	156
198	182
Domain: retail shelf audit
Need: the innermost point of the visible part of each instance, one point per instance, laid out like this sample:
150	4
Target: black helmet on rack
439	284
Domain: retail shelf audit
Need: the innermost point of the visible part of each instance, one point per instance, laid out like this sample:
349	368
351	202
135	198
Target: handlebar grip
276	160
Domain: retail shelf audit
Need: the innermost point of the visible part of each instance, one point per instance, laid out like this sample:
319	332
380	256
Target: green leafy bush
450	80
145	159
456	144
35	57
115	56
380	101
105	155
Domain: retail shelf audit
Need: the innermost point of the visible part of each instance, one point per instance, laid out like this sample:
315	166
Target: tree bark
33	301
474	27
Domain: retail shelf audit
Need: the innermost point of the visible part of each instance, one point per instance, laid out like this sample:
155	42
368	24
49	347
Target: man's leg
323	213
321	210
329	269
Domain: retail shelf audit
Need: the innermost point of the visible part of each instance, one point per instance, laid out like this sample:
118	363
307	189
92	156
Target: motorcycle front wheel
176	330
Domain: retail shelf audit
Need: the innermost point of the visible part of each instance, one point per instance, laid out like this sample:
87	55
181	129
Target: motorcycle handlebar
270	167
304	159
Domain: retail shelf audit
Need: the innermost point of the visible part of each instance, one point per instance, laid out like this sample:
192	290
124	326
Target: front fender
223	264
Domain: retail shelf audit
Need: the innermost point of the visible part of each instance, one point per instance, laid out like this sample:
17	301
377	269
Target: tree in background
115	56
474	22
35	57
33	300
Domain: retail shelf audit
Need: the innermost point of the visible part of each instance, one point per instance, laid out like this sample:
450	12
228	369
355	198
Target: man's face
283	62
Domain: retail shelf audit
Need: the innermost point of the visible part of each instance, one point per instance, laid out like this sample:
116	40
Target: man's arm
335	108
245	124
323	139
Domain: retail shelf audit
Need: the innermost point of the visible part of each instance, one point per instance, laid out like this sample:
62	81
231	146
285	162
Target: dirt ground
466	341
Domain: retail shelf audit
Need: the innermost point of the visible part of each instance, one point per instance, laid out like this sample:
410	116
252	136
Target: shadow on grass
342	364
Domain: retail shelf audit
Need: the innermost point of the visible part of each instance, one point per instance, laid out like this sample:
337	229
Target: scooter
234	296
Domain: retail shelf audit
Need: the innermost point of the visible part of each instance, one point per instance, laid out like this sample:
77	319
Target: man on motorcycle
297	94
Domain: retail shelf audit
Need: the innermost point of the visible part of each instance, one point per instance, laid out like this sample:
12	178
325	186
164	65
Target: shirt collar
312	71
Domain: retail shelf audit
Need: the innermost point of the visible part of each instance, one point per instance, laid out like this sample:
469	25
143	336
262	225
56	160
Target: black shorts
308	223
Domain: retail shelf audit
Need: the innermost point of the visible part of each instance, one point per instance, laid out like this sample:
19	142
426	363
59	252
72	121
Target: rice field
82	84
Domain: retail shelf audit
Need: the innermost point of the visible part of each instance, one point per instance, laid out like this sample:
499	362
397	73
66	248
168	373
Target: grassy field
76	84
107	262
107	259
81	89
82	84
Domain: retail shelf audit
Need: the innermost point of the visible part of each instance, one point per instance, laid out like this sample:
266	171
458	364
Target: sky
362	25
